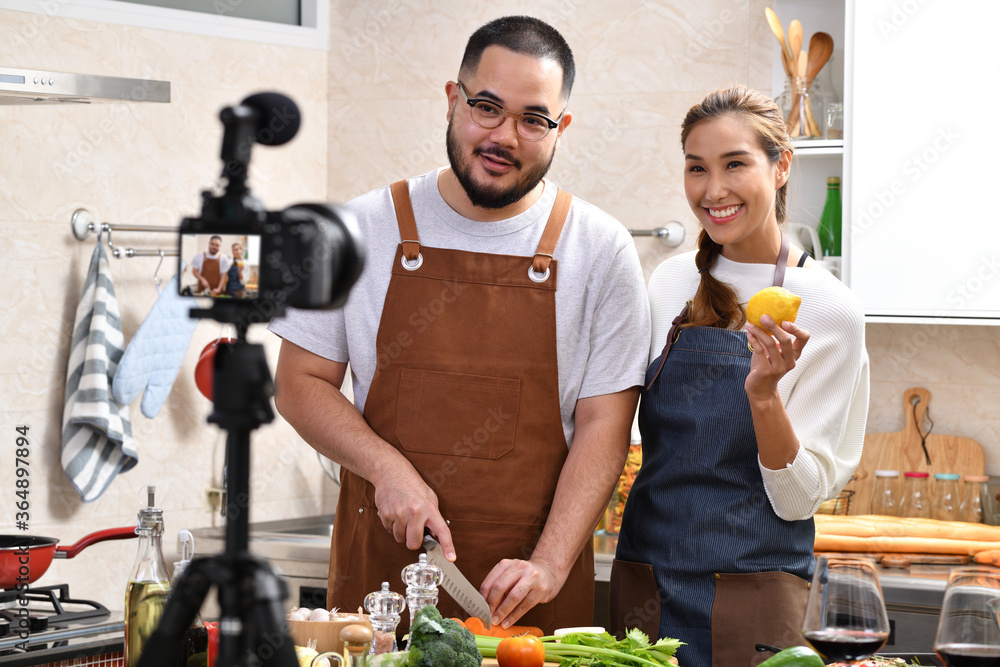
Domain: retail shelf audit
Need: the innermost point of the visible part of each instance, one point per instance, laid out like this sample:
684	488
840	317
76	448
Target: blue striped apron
698	511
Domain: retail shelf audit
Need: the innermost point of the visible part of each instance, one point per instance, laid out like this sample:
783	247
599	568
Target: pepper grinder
421	579
383	608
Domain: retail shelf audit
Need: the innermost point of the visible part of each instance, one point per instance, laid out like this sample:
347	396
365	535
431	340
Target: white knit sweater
825	395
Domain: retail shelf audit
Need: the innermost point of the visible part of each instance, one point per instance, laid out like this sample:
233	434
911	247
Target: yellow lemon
777	302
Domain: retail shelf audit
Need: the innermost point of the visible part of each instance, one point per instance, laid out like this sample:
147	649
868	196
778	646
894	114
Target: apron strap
553	228
404	218
779	279
671	339
779	267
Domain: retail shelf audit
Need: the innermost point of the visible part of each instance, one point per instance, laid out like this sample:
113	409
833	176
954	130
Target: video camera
306	256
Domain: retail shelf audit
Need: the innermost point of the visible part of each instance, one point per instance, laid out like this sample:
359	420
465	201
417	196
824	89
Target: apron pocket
456	414
762	607
634	598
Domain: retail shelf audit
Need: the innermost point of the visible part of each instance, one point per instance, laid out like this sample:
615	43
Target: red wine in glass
846	645
969	655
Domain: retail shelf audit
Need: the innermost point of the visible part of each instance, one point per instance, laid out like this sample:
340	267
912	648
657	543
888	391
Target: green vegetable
394	659
589	648
437	641
796	656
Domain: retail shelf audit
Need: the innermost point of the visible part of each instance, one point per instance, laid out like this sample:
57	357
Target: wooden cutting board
902	451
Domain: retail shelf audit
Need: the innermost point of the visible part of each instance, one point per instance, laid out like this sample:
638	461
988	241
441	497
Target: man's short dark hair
212	238
521	34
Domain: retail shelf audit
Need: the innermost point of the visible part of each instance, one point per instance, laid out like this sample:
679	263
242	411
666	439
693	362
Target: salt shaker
383	608
421	579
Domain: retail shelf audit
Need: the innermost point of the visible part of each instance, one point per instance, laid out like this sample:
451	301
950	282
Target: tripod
252	628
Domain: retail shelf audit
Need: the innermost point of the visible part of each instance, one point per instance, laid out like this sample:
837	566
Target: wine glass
968	634
845	617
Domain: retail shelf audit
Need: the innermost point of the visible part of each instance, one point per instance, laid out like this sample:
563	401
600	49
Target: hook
156	277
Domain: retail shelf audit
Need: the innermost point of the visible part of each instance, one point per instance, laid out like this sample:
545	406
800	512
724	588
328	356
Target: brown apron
210	272
467	388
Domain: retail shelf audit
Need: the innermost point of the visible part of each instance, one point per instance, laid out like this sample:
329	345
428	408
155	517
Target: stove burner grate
47	606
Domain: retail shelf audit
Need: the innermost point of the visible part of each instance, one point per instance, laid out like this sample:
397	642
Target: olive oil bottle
148	584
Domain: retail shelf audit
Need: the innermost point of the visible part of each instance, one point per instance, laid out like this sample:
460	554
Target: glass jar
975	499
802	106
946	499
834	121
885	499
916	500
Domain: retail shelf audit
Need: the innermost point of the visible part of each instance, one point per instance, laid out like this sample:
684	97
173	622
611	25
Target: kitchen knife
453	581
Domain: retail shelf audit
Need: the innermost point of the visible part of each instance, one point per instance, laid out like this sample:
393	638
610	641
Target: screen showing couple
221	266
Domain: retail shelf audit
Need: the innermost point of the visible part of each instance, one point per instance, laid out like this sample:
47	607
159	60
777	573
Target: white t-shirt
602	314
825	395
224	262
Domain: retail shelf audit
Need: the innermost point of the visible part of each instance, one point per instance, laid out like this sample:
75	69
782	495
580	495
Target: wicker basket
839	505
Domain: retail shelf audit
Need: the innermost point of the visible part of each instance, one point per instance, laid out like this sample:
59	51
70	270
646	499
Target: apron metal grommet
416	265
361	510
536	277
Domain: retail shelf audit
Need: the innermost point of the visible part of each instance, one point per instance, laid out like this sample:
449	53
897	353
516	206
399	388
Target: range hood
32	86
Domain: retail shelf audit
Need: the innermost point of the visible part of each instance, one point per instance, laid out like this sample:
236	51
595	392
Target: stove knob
37	624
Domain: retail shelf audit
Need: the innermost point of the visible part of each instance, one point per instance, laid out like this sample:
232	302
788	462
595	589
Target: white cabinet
925	240
920	237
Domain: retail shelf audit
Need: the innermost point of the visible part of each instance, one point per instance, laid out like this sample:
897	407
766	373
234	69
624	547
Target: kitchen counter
300	550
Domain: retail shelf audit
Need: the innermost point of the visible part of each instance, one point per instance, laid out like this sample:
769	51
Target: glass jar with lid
975	499
916	500
946	499
885	499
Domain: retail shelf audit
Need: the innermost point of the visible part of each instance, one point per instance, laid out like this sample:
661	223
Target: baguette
871	525
905	544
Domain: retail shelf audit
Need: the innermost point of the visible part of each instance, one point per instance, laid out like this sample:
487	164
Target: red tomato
521	651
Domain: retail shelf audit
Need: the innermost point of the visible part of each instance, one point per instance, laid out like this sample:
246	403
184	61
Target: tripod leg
164	646
275	647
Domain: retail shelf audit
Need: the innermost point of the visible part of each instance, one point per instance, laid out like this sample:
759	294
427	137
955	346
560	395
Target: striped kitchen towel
97	434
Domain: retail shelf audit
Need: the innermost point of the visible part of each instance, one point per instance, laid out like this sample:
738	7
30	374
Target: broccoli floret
441	642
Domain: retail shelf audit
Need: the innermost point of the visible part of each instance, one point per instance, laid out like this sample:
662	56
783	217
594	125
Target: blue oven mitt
156	352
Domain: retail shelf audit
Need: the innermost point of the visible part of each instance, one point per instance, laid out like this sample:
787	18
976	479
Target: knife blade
453	581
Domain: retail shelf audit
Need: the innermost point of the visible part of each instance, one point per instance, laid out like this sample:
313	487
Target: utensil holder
802	106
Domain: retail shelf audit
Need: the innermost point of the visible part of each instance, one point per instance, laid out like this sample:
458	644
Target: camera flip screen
220	266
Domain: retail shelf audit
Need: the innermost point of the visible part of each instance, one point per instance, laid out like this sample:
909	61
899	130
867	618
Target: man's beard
493	197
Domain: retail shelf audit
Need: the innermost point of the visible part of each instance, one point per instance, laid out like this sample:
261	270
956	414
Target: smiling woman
746	428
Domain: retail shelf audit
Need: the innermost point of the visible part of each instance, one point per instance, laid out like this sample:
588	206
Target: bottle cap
976	478
887	473
916	474
947	476
833	180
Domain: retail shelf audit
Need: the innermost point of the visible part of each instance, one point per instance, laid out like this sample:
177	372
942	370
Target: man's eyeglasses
490	115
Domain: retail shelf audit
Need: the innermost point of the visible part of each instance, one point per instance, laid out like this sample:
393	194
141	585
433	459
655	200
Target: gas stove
55	626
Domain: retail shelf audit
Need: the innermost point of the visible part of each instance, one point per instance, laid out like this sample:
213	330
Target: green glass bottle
830	221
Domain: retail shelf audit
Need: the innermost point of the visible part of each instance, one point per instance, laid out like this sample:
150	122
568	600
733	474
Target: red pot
35	554
204	370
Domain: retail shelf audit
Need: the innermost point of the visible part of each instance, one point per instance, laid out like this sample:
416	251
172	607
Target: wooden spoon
779	33
797	124
794	41
820	49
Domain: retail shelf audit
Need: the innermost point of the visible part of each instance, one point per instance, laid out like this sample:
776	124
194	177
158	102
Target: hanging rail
672	233
84	225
